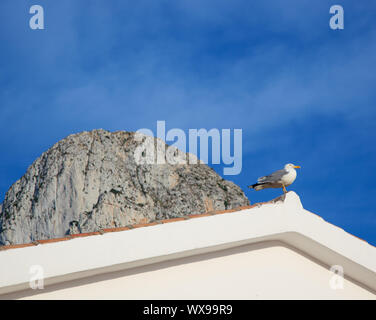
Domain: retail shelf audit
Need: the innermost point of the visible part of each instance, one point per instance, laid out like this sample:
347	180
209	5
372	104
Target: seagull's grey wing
272	178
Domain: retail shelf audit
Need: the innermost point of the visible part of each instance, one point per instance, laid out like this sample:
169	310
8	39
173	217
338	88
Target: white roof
284	220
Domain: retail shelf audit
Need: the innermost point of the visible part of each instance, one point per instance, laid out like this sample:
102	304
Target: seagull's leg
284	188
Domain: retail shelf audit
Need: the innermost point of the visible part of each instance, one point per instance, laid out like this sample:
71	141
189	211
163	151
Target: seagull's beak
298	167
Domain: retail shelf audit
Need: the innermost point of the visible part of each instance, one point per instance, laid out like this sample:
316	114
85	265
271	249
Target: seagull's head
291	166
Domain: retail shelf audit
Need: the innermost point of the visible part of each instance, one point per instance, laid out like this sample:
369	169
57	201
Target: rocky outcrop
91	180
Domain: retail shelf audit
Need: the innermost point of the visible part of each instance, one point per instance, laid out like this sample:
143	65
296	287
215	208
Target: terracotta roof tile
173	220
54	240
16	246
115	229
79	235
225	211
199	215
141	225
245	207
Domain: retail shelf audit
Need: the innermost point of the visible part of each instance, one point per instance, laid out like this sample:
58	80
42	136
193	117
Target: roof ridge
129	227
156	222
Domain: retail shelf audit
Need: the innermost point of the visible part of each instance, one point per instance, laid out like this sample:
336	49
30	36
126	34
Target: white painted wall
258	271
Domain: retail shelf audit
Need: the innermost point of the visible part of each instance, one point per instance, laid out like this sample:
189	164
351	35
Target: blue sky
301	92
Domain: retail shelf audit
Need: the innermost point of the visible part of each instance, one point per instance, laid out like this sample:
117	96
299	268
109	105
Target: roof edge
138	225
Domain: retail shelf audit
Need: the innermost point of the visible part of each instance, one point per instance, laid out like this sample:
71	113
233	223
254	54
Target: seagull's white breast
289	178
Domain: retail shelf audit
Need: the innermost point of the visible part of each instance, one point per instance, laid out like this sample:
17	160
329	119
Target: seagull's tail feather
257	186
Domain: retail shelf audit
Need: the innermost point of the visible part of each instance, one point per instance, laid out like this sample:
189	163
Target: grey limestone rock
91	180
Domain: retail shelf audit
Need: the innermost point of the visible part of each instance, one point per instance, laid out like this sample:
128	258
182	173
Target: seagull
278	179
